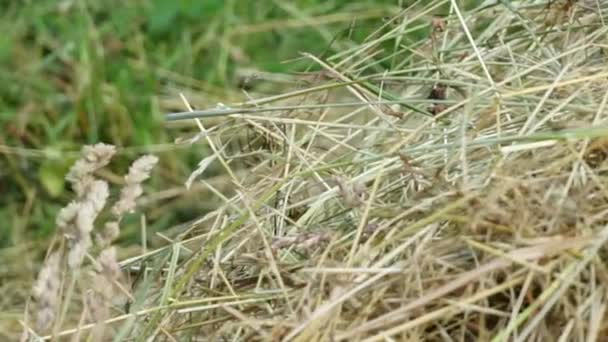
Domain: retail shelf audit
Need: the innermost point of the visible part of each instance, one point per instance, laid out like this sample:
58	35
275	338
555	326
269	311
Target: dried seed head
110	233
78	218
78	250
138	172
97	195
66	217
140	169
105	277
92	158
109	264
46	292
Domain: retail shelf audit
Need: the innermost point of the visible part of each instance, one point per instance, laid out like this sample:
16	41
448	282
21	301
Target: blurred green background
81	72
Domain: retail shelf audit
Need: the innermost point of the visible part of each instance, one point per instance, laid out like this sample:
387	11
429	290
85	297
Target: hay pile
445	179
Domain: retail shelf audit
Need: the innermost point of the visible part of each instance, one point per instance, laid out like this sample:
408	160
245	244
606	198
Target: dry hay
484	217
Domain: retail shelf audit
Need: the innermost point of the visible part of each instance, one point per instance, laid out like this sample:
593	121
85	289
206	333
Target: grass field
350	170
78	72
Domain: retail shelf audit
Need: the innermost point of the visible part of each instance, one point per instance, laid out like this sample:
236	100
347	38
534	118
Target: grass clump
447	184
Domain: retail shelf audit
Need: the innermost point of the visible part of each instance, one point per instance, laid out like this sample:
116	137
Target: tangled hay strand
464	198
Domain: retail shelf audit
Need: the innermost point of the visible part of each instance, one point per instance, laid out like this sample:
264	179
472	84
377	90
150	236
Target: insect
438	92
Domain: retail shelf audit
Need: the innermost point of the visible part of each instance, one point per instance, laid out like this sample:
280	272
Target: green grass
77	72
